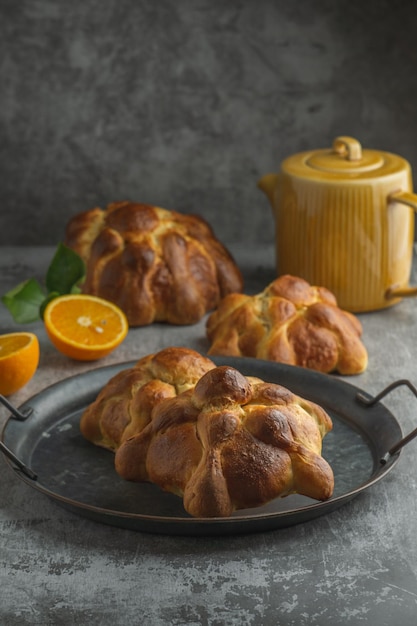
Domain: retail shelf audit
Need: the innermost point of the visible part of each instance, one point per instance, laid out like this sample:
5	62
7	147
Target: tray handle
21	416
370	401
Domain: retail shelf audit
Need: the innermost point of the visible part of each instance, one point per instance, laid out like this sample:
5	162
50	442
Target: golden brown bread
232	442
156	265
124	405
290	322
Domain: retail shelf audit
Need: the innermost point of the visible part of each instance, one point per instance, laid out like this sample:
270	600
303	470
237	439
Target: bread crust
124	406
289	322
157	265
232	442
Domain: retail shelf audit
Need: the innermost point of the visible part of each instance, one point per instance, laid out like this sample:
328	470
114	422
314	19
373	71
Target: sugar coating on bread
156	265
290	322
232	442
124	405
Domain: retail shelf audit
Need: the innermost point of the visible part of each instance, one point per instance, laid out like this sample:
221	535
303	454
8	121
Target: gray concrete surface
355	566
185	104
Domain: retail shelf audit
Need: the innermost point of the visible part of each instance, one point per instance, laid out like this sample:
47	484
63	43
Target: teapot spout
268	184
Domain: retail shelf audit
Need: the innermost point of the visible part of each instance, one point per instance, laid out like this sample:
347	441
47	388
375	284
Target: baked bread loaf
156	265
124	405
290	322
232	442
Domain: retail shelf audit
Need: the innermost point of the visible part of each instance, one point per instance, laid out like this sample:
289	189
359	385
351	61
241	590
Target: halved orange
19	359
84	327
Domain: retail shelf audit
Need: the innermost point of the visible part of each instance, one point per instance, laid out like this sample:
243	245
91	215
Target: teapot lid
345	159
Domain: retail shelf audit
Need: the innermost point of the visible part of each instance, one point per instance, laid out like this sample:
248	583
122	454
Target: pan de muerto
232	442
124	405
156	265
290	322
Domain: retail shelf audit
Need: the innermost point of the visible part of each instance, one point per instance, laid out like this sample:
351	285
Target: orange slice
19	359
84	327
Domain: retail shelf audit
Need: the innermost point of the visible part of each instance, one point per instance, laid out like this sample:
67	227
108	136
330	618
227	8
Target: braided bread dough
290	322
156	265
232	442
124	405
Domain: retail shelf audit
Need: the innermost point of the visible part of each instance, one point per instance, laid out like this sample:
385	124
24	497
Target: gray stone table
356	565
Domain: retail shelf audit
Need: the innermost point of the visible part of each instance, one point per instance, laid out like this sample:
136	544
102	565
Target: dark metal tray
80	476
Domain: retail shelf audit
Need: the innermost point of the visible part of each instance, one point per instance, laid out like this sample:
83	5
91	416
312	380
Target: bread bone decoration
156	265
290	322
124	405
232	442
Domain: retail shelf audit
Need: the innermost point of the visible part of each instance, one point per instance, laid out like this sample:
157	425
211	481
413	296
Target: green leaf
66	270
24	301
27	301
47	300
75	289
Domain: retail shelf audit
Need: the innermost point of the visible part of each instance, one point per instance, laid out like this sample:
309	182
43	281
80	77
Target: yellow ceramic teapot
345	220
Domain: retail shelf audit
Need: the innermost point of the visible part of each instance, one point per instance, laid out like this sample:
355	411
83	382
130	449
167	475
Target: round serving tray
81	477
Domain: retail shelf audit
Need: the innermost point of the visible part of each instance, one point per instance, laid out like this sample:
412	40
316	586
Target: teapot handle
410	199
404	197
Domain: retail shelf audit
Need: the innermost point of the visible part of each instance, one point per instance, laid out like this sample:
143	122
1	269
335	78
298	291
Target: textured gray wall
184	104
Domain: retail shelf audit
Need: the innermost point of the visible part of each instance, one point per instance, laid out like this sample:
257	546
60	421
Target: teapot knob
348	146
